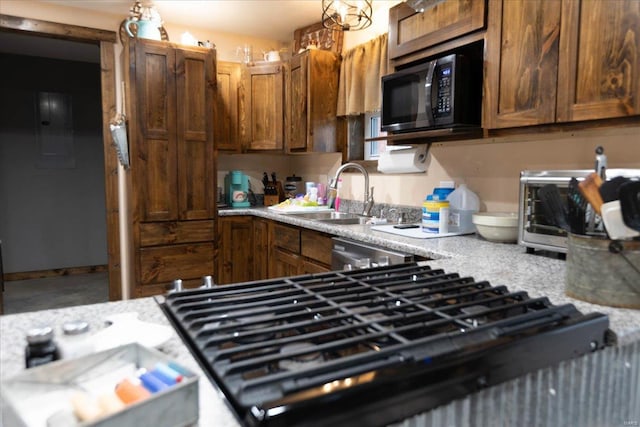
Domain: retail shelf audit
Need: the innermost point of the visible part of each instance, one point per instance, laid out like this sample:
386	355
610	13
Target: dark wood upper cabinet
600	77
226	124
261	113
152	95
411	31
171	106
311	102
521	65
552	62
195	90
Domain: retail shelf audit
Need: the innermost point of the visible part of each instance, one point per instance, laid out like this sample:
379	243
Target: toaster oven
534	231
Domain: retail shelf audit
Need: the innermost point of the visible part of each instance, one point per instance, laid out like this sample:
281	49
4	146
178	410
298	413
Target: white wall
491	168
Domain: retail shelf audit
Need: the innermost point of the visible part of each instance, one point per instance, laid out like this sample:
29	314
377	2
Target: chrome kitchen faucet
368	195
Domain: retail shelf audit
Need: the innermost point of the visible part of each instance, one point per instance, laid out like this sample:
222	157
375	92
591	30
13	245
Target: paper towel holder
405	159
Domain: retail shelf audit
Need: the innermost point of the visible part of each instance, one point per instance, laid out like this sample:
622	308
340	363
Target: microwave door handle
428	91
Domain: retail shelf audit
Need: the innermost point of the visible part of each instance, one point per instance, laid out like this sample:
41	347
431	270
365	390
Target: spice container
75	340
41	348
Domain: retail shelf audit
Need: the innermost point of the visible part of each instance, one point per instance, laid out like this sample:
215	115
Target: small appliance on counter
534	229
237	185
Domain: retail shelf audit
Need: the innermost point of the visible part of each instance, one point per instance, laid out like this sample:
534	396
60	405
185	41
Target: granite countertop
13	329
500	264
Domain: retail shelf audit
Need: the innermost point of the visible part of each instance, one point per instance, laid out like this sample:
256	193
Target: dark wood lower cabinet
260	248
252	248
283	263
235	250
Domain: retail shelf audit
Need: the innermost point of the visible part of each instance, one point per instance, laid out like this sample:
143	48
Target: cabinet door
316	247
309	267
153	163
410	31
260	249
235	257
262	107
312	99
195	75
283	264
600	66
521	63
226	124
297	97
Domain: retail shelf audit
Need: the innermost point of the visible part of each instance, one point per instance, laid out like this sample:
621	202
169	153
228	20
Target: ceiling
267	19
270	19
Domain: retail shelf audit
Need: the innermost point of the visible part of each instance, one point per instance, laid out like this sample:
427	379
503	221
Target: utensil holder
597	274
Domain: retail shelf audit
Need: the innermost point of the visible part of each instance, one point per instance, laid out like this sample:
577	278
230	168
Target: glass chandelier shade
346	15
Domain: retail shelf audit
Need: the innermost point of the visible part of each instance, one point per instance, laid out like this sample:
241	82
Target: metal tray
31	397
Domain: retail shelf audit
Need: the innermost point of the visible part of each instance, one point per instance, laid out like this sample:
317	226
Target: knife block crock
274	199
600	273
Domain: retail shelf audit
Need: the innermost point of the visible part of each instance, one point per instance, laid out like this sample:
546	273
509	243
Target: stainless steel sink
326	215
345	221
341	218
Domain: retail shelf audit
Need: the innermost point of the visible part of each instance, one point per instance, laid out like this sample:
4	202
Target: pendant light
346	15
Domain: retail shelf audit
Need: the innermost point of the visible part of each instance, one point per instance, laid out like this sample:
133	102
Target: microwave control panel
444	79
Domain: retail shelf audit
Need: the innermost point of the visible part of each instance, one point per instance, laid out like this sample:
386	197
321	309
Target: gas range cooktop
372	346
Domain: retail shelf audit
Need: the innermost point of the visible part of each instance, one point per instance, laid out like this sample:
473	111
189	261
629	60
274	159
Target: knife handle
590	189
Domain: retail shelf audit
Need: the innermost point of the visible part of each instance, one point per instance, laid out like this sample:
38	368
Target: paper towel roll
409	159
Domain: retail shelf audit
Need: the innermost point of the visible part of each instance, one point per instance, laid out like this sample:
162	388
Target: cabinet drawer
286	238
316	246
170	232
163	264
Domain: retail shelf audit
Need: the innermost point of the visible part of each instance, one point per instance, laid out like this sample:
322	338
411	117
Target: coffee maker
237	185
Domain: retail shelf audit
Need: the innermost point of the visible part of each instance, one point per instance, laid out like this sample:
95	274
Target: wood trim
56	30
105	39
108	82
438	50
54	272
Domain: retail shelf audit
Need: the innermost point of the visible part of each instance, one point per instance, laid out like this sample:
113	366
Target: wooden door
195	84
283	263
260	249
297	101
153	150
235	259
521	63
262	107
600	65
226	123
310	267
312	98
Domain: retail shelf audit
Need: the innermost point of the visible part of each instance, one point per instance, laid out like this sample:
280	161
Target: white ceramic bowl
497	226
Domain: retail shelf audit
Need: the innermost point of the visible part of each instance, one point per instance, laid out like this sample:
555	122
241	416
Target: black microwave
441	93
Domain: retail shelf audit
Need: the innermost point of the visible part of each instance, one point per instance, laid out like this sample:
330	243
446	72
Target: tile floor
55	292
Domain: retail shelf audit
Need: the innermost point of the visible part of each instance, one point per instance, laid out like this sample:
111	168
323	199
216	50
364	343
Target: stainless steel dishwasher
349	252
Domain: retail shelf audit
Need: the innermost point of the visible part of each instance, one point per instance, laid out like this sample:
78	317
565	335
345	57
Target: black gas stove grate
283	349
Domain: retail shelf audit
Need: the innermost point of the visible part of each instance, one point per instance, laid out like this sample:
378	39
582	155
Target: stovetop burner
373	345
